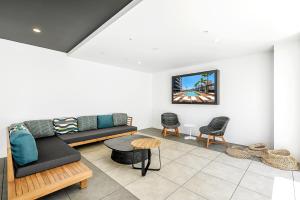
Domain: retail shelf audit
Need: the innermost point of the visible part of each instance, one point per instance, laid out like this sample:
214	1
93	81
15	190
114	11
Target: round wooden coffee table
146	144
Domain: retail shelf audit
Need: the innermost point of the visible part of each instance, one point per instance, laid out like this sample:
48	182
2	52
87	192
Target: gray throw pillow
40	128
119	119
86	123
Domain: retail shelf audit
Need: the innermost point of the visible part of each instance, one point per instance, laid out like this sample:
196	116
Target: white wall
246	96
287	95
37	83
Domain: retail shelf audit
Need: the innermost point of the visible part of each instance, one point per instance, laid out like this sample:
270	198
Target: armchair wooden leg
165	132
224	141
199	137
177	132
208	138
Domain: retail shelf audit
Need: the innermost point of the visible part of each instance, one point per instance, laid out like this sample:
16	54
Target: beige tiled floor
184	194
192	172
177	172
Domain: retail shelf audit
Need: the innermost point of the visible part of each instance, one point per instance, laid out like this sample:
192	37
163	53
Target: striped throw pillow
65	125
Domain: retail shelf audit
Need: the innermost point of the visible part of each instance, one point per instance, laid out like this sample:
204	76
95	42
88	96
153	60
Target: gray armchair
169	121
216	128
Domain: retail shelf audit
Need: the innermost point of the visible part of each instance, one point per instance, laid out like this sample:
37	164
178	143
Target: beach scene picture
199	88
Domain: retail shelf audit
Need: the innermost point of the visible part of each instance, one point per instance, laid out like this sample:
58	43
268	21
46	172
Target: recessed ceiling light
139	62
36	30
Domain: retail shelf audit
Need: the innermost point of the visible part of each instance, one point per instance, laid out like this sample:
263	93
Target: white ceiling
156	35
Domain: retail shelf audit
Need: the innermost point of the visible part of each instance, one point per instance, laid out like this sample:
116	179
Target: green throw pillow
23	146
40	128
105	121
86	123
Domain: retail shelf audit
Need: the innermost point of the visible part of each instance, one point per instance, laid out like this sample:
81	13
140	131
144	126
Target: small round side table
146	144
189	129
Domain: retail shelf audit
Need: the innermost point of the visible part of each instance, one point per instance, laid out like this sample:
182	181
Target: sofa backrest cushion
40	128
23	146
86	123
119	119
65	125
105	121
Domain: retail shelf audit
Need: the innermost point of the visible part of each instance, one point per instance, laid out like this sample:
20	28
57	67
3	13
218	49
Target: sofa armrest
10	165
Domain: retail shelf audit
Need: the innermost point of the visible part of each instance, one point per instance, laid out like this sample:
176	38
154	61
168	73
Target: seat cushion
40	128
86	123
119	119
65	125
209	131
105	121
53	152
171	126
93	134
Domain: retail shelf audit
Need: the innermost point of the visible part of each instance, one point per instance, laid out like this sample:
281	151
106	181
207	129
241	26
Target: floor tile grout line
240	181
197	174
269	177
68	195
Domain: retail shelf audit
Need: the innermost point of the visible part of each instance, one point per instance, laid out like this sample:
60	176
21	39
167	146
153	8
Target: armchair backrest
219	123
169	119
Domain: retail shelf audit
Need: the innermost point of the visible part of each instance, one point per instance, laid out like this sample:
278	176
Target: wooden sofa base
101	139
40	184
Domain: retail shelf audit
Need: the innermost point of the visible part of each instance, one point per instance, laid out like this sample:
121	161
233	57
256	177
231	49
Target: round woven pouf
238	152
258	150
280	159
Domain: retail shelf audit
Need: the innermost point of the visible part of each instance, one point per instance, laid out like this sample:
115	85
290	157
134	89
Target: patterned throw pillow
120	119
65	125
40	128
86	123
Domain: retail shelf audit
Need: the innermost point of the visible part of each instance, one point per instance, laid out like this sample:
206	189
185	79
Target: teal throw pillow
105	121
23	146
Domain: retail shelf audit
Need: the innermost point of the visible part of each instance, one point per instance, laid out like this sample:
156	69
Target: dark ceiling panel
64	23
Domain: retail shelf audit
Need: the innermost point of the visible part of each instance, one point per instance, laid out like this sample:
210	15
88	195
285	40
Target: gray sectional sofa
56	150
55	164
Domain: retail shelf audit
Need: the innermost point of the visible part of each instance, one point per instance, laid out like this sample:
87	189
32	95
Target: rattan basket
258	150
280	159
238	152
